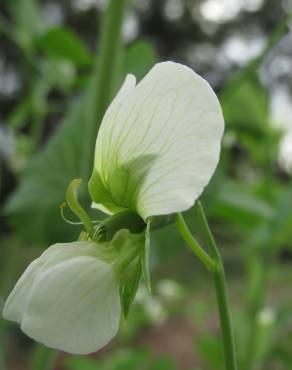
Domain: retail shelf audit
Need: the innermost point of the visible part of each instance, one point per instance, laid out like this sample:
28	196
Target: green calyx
130	221
127	249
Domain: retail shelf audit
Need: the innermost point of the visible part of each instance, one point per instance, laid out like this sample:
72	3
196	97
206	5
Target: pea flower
156	150
67	293
69	297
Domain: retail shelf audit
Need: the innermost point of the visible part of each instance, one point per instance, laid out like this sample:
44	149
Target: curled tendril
62	207
76	208
99	233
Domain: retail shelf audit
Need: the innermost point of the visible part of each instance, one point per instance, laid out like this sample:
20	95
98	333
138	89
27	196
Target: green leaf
276	232
139	59
34	207
63	43
237	203
245	105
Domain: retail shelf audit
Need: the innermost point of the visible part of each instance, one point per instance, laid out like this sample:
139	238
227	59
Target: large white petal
16	302
159	144
73	303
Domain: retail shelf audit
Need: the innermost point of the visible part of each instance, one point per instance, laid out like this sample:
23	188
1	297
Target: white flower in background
281	112
285	152
157	148
67	298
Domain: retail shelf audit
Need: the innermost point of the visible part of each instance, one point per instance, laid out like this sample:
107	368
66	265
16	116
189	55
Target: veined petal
15	304
158	144
74	306
73	302
104	202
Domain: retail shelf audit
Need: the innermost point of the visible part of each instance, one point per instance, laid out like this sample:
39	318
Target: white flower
158	144
157	148
67	299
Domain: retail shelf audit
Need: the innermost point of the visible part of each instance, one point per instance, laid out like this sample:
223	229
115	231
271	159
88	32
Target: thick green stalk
108	56
221	294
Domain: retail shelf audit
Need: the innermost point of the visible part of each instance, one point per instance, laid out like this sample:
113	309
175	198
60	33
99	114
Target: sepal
128	265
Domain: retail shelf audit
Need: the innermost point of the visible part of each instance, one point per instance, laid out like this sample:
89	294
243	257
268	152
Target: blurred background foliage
49	70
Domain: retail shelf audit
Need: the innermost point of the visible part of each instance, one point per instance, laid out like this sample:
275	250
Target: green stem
258	269
208	233
225	318
192	243
109	47
215	266
221	294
